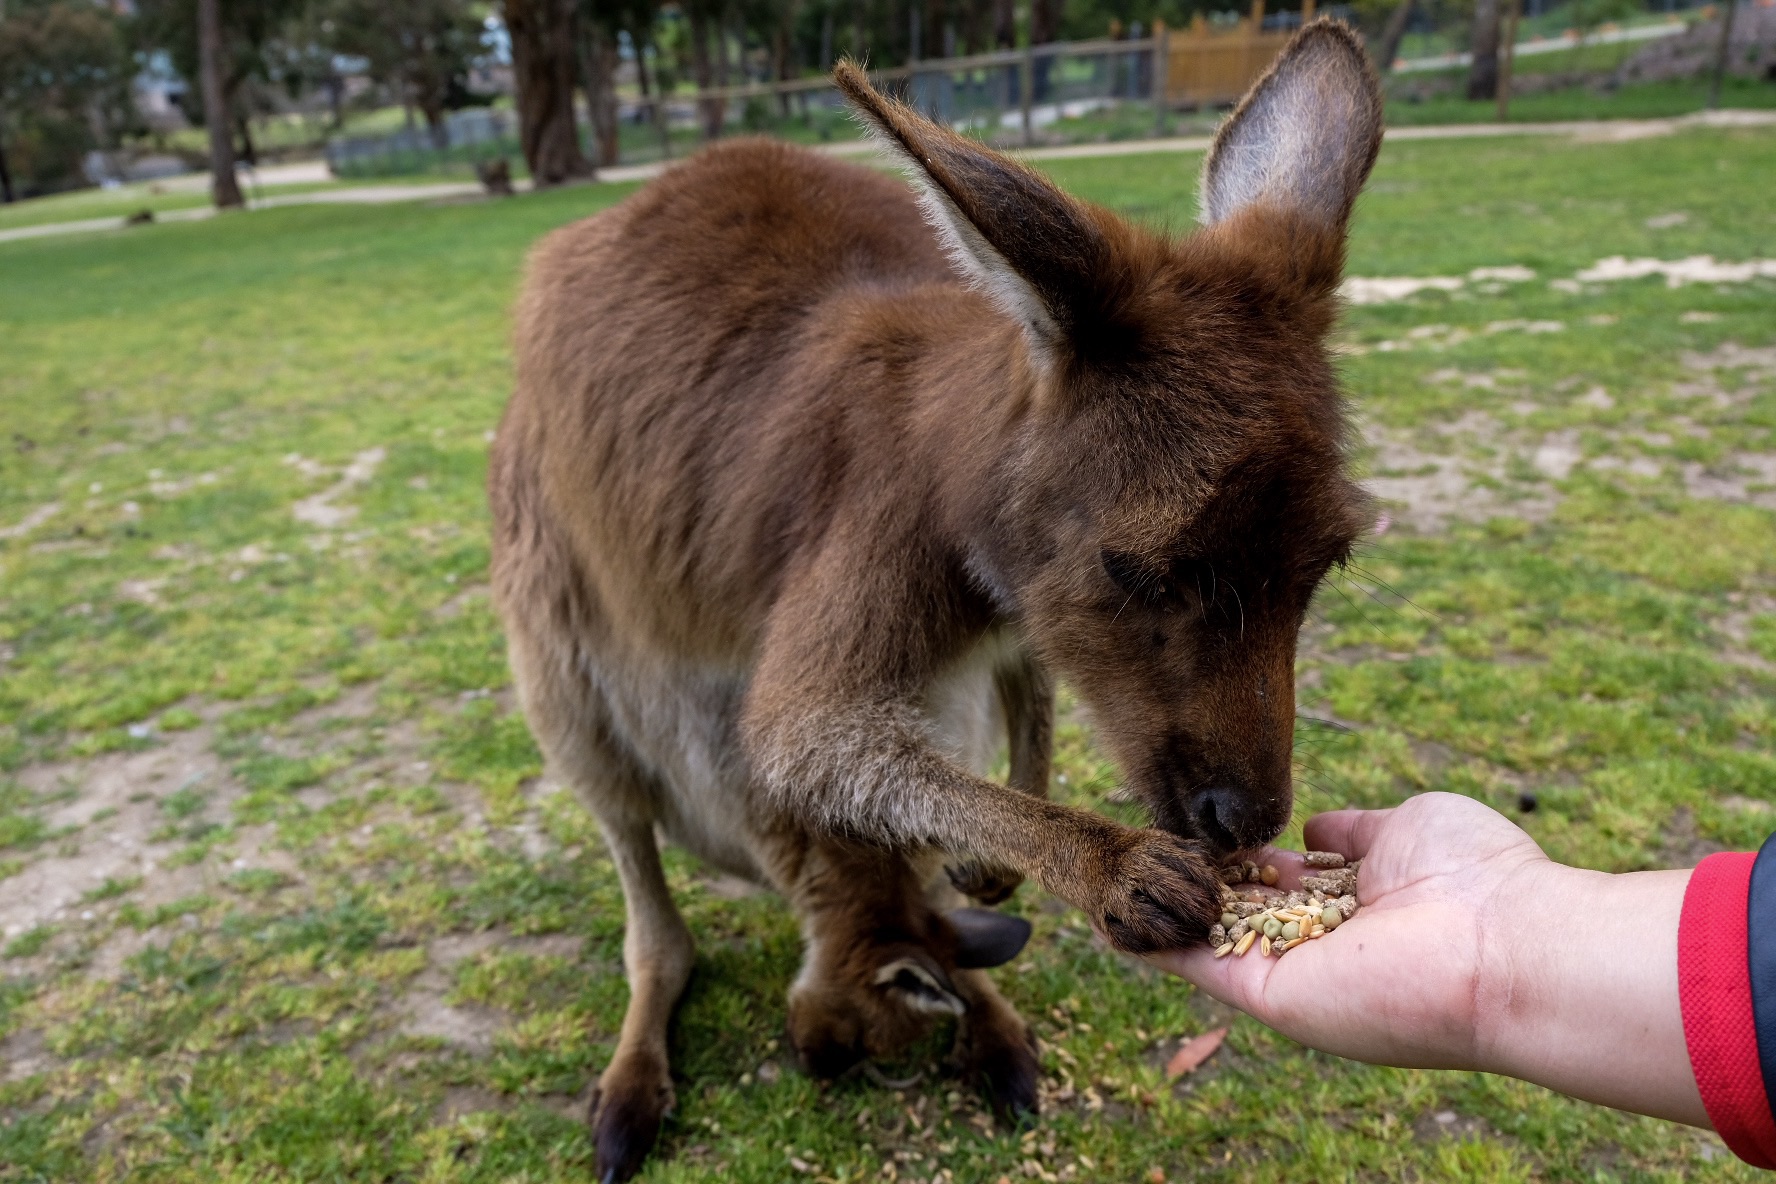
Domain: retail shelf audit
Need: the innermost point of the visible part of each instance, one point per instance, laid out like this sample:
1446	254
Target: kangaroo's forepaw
1162	894
983	882
1005	1061
627	1109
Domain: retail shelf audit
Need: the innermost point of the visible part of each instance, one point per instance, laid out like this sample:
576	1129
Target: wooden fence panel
1207	66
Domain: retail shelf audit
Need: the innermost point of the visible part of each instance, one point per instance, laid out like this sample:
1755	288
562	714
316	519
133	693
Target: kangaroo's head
1160	509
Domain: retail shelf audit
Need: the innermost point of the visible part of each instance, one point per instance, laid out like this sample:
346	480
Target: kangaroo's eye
1196	576
1136	576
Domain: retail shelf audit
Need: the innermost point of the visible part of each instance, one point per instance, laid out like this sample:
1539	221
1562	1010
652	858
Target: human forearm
1581	991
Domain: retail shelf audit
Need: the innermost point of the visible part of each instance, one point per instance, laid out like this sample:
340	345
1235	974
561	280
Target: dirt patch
425	1009
1748	477
1756	368
23	1054
110	813
1433	476
1476	467
320	510
30	522
1682	845
1694	269
1435	1125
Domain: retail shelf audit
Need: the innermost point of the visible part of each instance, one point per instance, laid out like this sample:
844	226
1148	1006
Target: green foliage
419	48
30	942
64	90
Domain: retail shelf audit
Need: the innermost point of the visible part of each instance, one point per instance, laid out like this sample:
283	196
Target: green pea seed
1228	920
1272	928
1291	931
1331	918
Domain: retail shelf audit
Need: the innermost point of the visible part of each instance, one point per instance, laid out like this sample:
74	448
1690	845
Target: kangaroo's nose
1230	820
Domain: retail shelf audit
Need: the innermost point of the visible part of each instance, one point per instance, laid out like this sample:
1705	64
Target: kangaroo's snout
1230	819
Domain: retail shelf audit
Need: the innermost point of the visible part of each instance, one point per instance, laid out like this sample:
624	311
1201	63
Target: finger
1348	832
1290	865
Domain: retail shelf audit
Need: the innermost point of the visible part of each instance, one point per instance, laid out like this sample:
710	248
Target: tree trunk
1388	50
224	189
1045	26
433	110
657	110
977	19
783	47
932	26
6	193
712	111
249	151
1722	51
1483	73
543	75
598	68
1005	24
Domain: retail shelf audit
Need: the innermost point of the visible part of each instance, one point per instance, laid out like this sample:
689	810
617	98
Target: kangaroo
811	482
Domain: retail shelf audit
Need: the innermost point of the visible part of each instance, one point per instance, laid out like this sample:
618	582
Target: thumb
1348	832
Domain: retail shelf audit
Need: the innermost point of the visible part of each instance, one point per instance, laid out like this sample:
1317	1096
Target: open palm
1405	981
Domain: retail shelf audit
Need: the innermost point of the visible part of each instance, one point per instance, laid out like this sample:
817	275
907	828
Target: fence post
1026	91
1162	61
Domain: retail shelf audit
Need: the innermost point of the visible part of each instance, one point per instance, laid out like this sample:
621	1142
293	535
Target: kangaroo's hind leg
573	728
635	1091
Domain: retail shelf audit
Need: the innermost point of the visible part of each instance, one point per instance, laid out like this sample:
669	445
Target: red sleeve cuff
1714	986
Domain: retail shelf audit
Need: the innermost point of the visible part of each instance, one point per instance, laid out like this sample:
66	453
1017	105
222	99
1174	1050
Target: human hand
1405	981
1473	950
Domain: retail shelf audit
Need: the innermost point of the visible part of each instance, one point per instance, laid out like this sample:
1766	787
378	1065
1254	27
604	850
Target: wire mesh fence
1142	82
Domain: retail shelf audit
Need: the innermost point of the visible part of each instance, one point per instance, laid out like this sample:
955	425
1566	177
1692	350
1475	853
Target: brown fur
781	506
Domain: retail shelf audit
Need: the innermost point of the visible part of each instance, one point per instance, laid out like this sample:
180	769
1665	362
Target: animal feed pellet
1255	913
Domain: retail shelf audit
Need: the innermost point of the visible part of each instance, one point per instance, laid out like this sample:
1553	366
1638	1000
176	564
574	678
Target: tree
543	54
422	49
250	51
602	24
1484	45
1045	26
224	188
1388	48
703	21
598	73
64	91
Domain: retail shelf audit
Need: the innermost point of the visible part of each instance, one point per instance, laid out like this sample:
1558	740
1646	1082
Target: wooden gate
1206	66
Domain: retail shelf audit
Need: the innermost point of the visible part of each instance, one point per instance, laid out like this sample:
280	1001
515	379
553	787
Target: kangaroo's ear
921	984
1305	135
1035	251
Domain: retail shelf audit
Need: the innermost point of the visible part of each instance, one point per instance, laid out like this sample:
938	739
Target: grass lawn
1641	100
282	896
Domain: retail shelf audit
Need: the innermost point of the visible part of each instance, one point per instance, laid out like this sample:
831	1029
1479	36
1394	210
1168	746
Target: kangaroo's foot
633	1097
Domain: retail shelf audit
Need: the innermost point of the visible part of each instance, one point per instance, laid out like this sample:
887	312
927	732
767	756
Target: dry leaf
1194	1052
